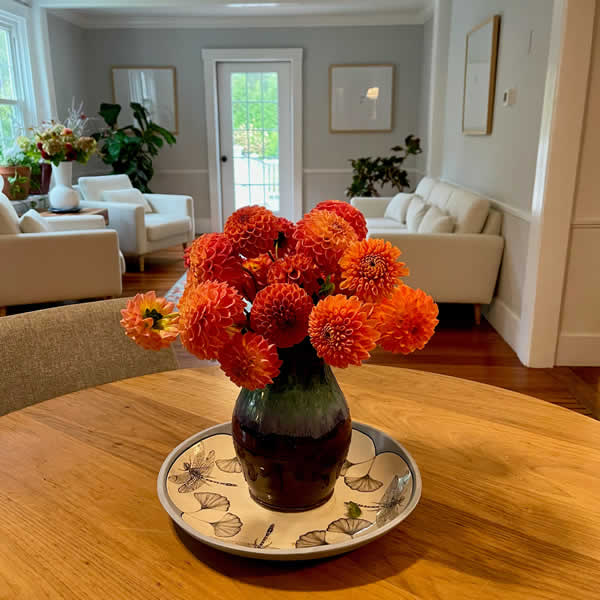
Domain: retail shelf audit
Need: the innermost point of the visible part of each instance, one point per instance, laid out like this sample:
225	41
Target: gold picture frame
165	100
481	58
387	73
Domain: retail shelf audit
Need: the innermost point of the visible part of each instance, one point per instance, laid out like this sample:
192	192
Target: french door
255	137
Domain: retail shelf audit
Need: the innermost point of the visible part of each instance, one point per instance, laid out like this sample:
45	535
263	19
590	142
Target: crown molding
80	19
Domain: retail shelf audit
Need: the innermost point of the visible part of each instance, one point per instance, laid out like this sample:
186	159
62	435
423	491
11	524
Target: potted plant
16	172
131	149
278	305
370	173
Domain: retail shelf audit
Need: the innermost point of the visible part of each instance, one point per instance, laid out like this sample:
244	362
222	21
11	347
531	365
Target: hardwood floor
459	348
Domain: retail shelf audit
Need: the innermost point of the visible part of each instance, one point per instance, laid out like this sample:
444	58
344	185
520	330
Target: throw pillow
127	196
436	221
9	220
398	206
33	222
416	211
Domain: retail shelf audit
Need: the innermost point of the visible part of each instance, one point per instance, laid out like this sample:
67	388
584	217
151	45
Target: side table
84	211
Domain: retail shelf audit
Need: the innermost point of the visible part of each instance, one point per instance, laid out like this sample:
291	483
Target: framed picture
153	87
481	56
361	98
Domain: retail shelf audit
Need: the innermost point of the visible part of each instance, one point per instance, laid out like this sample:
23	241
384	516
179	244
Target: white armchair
145	222
77	258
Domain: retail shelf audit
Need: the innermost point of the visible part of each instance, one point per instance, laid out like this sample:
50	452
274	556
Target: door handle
223	159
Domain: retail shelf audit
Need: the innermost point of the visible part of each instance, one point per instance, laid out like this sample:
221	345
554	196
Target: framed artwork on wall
152	87
361	98
481	56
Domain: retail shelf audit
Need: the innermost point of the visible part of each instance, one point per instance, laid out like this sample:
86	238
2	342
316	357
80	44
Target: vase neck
300	366
63	173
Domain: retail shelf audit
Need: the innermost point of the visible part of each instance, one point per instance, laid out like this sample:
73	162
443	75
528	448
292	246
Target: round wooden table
510	505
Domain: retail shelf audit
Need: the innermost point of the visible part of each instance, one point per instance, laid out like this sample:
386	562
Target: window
15	79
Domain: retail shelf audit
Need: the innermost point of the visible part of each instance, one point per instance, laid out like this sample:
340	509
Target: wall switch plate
509	97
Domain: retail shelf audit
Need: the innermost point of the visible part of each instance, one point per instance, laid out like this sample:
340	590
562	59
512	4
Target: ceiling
243	13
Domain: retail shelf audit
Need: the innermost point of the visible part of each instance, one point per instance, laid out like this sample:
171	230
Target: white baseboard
202	225
578	350
505	321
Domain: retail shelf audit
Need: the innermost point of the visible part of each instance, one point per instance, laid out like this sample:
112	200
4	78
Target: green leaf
110	113
353	510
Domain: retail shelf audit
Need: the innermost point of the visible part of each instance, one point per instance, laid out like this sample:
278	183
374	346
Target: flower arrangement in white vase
61	145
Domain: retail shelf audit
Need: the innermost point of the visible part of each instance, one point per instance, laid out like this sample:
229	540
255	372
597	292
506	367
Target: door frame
211	58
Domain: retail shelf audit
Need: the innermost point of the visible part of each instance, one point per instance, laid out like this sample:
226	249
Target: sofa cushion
416	211
33	222
493	224
424	188
440	194
469	210
92	187
383	223
398	206
436	221
159	227
9	220
126	196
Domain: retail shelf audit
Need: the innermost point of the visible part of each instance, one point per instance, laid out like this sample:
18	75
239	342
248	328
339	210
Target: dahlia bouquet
267	284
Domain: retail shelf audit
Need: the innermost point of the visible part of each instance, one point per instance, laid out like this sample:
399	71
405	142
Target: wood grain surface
511	489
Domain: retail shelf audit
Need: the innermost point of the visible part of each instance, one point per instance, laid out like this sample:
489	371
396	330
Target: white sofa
147	222
76	257
453	250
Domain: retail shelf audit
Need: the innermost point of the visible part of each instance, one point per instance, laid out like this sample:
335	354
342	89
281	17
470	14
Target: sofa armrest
451	267
128	220
172	204
61	265
371	207
75	223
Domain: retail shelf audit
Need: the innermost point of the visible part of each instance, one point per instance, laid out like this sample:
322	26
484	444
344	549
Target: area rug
176	291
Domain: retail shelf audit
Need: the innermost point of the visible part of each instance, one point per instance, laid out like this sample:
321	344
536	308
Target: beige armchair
145	222
76	258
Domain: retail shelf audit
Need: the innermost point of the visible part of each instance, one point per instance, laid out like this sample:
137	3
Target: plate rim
287	553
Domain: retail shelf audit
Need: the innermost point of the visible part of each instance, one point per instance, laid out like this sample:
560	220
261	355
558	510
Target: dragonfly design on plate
197	470
264	542
390	504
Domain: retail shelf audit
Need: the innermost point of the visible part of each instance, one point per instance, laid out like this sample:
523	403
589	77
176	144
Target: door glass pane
255	139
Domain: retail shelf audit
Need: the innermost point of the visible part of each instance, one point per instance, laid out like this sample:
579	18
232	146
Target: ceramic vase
62	196
292	437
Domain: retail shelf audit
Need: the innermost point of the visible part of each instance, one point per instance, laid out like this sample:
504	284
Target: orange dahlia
208	311
341	331
296	268
186	257
258	268
212	258
280	313
252	230
325	236
406	320
370	269
250	361
150	321
348	213
285	237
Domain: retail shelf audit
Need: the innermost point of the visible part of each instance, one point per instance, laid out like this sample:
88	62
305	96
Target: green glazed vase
292	437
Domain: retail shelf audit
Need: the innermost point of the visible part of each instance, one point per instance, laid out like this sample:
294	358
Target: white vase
62	196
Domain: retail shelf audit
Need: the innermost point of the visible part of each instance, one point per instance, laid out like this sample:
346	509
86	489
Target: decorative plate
202	487
65	211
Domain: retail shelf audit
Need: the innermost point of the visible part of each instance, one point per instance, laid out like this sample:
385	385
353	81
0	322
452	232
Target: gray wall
183	167
423	126
501	165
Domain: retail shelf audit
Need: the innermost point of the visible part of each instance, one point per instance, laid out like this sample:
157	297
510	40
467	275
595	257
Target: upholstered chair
145	222
48	353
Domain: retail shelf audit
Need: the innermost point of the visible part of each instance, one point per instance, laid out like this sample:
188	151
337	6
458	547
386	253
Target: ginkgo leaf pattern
208	500
347	464
366	483
228	526
311	539
229	465
348	526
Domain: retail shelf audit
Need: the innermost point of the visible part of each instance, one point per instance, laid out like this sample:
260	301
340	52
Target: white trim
586	223
44	82
203	225
556	175
346	171
211	58
504	320
578	350
96	21
502	206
